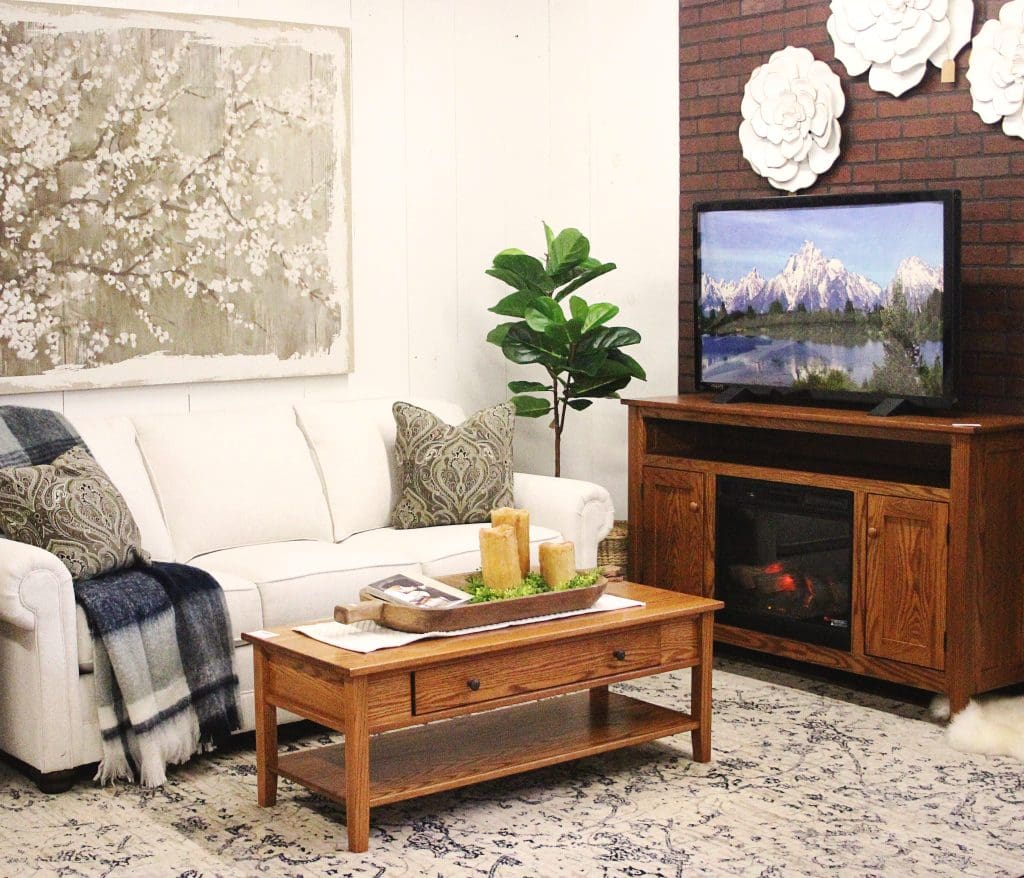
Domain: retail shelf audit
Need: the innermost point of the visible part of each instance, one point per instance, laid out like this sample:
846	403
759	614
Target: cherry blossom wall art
174	199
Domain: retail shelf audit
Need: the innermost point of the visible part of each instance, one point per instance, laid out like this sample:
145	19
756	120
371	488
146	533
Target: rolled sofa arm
41	722
25	571
581	511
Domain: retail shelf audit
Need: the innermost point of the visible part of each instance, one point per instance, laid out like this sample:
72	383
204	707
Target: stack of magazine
415	590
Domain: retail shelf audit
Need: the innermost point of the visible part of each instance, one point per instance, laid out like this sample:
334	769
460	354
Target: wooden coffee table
462	679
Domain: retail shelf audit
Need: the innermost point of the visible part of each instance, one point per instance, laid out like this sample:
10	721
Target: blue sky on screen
868	239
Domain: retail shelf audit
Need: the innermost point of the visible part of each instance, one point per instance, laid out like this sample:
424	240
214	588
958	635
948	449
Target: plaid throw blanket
165	685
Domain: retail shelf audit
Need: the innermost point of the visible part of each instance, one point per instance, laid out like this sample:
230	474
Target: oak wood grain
479	679
468	750
953	619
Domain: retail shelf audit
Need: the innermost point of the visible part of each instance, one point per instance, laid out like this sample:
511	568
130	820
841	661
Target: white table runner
369	636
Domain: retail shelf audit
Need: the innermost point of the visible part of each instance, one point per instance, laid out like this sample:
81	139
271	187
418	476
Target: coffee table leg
266	735
701	692
357	765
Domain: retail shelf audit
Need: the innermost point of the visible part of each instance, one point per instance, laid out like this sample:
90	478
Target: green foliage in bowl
531	584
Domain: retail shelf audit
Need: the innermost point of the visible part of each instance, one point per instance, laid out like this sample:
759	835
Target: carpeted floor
808	778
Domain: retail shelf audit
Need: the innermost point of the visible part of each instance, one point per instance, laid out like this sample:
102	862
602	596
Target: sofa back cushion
227	479
352	460
113	443
353	443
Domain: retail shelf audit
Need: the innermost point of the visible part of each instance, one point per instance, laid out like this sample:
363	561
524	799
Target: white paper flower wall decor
996	71
896	39
790	129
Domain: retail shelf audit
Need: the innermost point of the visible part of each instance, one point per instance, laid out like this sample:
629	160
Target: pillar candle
557	563
499	557
520	520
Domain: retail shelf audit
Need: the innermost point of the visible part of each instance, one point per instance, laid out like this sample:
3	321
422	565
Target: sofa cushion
228	479
112	443
452	474
244	614
440	551
304	580
72	509
343	435
353	463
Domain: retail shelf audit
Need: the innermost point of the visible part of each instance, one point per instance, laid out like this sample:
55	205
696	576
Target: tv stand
734	394
938	527
891	405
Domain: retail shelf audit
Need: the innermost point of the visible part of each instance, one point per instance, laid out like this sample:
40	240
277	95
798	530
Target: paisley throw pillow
72	509
452	475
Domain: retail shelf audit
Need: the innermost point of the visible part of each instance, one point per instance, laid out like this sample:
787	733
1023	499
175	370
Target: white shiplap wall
473	120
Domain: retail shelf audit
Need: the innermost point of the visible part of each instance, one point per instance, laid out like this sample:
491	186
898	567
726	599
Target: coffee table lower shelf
453	753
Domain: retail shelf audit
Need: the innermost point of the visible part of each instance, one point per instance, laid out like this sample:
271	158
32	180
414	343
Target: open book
415	590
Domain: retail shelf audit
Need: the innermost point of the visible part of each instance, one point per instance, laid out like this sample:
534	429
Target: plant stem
556	424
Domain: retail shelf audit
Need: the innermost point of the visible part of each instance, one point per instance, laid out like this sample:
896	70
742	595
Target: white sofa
288	508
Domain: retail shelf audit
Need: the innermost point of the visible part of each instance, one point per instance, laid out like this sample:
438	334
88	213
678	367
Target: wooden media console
937	588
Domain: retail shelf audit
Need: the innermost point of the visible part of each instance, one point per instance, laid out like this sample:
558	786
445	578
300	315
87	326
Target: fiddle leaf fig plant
580	352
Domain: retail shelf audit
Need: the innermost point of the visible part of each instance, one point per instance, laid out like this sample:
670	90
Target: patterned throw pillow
452	475
72	509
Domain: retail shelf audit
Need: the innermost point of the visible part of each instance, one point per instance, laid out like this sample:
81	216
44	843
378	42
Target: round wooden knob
872	531
694	506
620	655
473	684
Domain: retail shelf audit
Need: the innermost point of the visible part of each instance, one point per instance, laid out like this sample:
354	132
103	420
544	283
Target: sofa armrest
581	511
40	705
24	571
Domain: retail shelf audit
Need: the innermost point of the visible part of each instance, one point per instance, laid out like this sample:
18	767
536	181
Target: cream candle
499	557
520	520
557	563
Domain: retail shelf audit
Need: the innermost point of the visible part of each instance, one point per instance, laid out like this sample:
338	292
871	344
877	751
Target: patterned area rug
809	778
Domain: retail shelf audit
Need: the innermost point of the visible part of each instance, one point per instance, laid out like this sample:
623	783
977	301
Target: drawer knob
694	506
872	531
620	654
473	684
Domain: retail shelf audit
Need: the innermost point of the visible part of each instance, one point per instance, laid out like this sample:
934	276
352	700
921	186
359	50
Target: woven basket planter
613	550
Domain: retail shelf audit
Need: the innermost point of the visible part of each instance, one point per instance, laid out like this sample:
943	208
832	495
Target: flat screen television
847	298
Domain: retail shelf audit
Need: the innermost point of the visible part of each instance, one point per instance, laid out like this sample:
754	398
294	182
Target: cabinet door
905	594
672	542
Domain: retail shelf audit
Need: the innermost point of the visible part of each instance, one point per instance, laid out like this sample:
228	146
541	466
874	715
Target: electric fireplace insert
784	559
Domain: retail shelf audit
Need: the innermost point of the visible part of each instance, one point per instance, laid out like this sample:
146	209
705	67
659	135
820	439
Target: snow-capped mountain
818	283
918	279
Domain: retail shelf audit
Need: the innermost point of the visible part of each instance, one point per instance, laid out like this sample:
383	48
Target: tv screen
842	297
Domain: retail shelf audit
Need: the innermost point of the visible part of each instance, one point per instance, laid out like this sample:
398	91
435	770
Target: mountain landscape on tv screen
818	282
817	325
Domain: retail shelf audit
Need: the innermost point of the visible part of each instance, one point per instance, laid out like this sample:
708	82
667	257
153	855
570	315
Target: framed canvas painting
174	198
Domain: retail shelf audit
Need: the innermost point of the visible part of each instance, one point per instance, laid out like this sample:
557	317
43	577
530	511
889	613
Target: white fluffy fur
993	727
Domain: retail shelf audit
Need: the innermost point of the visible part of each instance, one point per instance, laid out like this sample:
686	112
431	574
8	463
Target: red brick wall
928	138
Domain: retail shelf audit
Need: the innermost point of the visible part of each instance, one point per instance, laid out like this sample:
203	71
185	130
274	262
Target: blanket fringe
171	743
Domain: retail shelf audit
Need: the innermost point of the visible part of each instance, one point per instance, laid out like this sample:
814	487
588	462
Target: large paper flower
790	132
897	38
996	71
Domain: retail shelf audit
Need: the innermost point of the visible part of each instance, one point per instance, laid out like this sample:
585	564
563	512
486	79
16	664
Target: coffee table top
659	605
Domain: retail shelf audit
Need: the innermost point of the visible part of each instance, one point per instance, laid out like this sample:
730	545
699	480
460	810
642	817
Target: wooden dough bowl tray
421	620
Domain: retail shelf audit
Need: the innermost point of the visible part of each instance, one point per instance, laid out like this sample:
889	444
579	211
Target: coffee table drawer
533	669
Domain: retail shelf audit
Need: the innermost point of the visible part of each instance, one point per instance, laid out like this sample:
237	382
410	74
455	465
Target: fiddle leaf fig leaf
586	277
567	250
524	345
628	364
580	404
579	309
527	386
599	314
521	271
497	335
531	406
515	304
